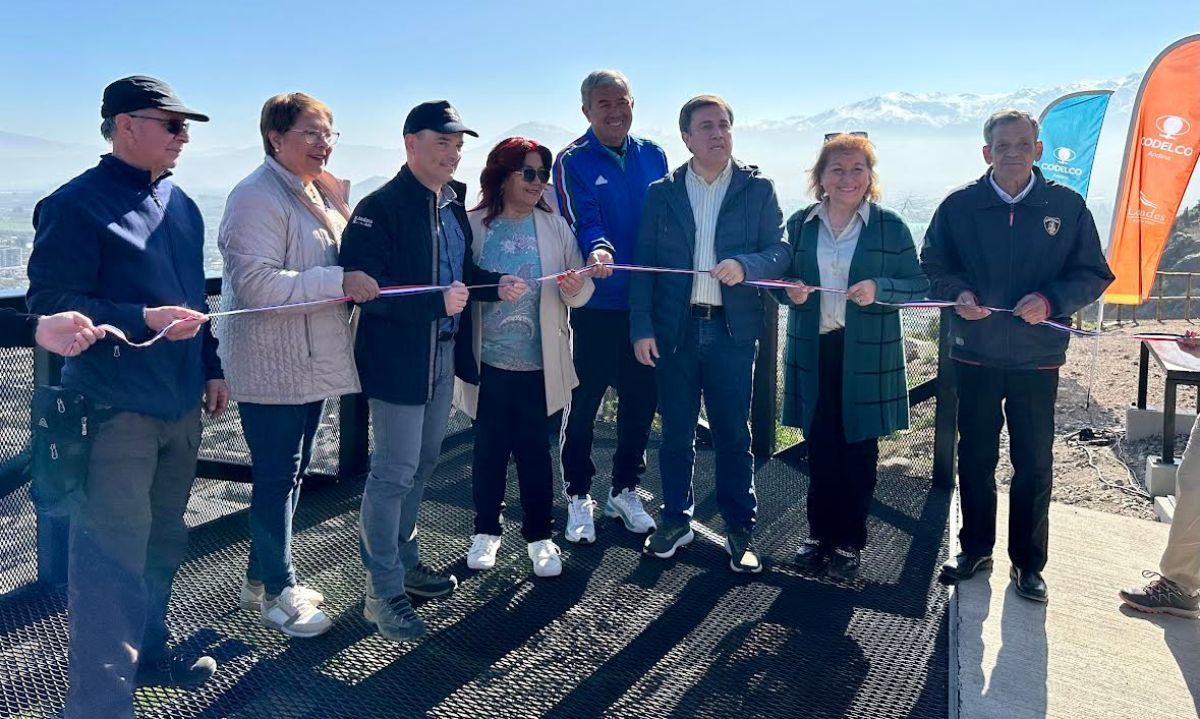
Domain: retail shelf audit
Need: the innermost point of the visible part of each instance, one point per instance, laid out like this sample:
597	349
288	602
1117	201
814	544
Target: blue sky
507	63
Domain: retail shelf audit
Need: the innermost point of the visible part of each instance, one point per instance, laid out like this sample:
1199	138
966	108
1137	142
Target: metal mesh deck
618	635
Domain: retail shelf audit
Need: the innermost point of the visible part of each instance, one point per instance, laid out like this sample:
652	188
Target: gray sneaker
668	538
1162	596
394	617
421	581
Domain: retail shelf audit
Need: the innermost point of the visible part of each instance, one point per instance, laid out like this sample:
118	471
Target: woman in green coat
844	379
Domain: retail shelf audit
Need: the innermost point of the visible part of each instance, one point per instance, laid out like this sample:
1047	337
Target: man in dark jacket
66	333
412	231
720	217
124	246
1010	240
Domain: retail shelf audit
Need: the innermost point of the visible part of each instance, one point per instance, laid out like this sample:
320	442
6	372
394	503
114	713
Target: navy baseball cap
140	92
437	115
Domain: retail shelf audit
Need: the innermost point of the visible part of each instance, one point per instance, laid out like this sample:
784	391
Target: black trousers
604	358
511	422
987	396
842	474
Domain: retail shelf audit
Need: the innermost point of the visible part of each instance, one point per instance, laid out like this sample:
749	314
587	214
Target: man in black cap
123	245
413	231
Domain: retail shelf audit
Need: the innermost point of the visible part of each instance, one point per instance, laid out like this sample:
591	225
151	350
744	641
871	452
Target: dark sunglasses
857	133
174	125
529	174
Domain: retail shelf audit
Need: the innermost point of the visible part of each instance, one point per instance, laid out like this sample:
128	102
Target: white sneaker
581	527
482	554
294	615
252	595
627	506
546	559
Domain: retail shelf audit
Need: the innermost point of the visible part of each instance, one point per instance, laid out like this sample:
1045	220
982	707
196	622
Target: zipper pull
83	425
1011	210
116	351
61	407
53	451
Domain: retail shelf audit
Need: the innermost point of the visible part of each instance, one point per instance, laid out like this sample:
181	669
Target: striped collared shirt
834	255
705	200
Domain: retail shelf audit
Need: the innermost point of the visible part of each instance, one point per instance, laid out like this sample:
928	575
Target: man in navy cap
123	245
413	231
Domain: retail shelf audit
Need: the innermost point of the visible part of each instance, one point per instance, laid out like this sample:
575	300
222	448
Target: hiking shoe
1030	585
665	541
482	554
965	566
421	581
394	617
1162	596
545	557
292	614
739	543
627	506
253	592
811	554
844	563
173	670
581	527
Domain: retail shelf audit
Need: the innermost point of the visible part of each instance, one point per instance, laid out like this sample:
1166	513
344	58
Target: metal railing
1129	313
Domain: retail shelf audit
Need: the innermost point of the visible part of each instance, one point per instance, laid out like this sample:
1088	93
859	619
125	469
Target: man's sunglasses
174	125
857	133
529	174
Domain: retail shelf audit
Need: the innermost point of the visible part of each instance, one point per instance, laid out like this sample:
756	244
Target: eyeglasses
311	136
174	125
857	133
529	174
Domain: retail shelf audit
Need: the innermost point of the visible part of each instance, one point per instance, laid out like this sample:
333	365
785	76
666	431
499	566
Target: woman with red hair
524	349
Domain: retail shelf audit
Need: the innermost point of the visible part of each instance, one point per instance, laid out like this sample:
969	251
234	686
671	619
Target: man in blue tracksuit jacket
124	246
601	181
1010	240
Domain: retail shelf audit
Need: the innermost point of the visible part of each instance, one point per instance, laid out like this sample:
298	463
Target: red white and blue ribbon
406	290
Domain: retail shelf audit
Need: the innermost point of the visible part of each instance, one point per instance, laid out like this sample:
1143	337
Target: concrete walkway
1082	655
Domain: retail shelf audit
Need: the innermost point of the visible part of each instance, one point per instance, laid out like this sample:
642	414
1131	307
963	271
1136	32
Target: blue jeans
408	440
709	364
127	541
280	438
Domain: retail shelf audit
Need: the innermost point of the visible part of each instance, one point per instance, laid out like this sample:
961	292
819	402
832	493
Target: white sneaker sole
481	566
684	540
581	539
617	514
1172	611
299	632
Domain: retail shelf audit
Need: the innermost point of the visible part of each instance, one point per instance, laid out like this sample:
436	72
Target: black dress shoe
811	554
844	563
175	670
965	566
1030	585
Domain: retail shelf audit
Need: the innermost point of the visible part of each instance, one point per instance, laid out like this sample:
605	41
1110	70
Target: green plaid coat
875	385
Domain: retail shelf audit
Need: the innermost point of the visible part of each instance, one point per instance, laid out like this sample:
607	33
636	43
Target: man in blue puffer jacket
1010	240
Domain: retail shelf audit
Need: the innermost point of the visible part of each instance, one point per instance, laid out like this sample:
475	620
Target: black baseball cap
140	92
437	115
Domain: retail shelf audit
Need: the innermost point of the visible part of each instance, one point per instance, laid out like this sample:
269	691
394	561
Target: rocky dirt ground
1106	478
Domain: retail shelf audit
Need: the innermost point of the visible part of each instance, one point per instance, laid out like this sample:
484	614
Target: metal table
1180	368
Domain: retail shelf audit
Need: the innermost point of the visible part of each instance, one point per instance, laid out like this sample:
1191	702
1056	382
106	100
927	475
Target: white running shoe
294	615
546	559
252	595
627	506
482	554
581	527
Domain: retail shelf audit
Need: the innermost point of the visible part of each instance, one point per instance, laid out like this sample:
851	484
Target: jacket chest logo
1051	224
601	180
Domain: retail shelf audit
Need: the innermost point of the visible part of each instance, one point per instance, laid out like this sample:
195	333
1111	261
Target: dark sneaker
394	617
1162	596
1030	585
844	563
173	670
421	581
964	566
743	557
668	538
811	554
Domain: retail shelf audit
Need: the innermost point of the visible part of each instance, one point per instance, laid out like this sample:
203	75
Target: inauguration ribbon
406	290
